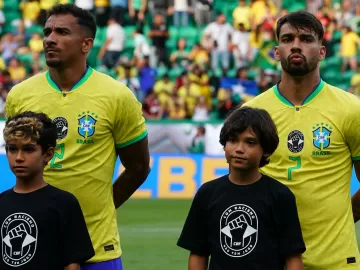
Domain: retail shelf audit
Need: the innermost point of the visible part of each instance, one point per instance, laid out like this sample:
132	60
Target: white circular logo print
19	238
295	141
61	127
238	230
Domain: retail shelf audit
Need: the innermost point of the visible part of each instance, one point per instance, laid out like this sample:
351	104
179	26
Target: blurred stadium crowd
183	59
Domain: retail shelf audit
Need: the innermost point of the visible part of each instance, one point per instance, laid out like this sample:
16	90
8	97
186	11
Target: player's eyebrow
302	35
56	29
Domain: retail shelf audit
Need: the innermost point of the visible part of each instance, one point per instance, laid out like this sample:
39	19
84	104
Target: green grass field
149	230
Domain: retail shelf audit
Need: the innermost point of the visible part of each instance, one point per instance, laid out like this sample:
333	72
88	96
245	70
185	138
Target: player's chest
77	119
309	131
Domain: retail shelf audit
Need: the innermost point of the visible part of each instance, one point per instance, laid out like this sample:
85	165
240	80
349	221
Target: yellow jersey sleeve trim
355	158
136	139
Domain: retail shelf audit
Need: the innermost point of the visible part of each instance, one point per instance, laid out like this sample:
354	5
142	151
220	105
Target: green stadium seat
11	16
100	36
92	58
253	73
161	71
214	116
231	72
334	62
36	28
175	72
173	32
343	86
129	30
337	35
129	43
11	5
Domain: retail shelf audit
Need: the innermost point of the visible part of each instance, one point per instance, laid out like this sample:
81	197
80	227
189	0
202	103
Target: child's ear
266	155
48	155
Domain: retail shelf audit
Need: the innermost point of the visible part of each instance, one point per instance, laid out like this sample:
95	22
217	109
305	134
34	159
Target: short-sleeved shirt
319	141
97	116
44	229
349	44
254	226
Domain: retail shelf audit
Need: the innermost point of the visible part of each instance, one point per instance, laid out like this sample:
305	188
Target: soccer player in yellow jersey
97	119
318	126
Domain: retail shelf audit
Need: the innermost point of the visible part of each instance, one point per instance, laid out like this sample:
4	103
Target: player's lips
239	158
296	57
51	50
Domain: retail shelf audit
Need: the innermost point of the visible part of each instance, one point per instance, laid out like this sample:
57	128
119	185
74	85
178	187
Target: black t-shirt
250	227
42	230
159	42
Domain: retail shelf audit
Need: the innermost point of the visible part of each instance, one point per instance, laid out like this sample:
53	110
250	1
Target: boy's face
244	152
26	159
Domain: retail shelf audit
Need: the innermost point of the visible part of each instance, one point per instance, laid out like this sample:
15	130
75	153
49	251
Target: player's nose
19	156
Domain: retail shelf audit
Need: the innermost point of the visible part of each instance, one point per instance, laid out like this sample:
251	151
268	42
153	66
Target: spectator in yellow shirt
164	89
259	10
16	70
200	77
30	10
189	93
177	112
241	14
36	43
349	48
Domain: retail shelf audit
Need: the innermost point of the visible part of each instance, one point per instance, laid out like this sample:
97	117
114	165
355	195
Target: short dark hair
31	126
301	20
261	124
84	18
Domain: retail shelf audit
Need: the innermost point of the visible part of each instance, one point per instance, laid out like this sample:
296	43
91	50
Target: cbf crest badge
86	124
321	136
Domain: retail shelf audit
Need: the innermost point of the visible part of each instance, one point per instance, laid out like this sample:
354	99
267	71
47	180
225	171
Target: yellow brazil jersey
96	116
318	142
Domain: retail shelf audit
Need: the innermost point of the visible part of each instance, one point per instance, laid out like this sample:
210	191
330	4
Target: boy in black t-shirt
42	227
244	220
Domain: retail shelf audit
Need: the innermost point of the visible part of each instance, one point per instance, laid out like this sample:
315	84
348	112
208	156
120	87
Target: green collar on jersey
309	98
82	80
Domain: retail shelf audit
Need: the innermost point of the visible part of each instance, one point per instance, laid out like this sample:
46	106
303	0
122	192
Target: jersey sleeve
351	128
194	236
288	225
76	243
129	124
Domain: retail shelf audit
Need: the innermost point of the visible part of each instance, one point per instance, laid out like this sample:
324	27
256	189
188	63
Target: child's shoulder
61	195
4	193
214	184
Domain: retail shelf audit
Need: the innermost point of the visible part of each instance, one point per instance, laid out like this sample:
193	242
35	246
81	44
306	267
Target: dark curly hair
31	126
84	18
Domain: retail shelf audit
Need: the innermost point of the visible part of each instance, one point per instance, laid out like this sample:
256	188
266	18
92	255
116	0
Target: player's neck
297	89
29	185
66	78
244	177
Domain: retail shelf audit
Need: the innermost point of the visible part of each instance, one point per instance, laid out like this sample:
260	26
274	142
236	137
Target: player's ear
276	53
322	53
48	155
266	155
87	45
